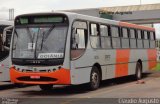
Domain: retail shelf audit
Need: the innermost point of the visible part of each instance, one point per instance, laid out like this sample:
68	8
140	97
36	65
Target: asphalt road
125	87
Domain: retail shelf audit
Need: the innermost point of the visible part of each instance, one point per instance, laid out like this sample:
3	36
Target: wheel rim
95	79
139	73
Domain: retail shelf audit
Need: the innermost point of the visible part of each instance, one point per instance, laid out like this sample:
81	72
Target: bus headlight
23	70
59	67
17	69
49	70
54	69
13	67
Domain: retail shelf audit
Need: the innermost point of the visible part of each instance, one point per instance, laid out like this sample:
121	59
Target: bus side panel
145	66
109	60
135	55
4	70
152	55
81	67
110	72
131	68
106	58
80	76
122	59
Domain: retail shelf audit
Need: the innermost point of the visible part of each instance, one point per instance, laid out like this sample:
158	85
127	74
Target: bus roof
126	24
94	19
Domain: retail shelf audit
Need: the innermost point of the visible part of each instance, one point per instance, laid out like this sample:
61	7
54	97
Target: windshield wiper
46	35
42	40
16	33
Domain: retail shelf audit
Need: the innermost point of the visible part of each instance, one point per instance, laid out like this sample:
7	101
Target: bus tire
94	78
46	87
138	74
19	85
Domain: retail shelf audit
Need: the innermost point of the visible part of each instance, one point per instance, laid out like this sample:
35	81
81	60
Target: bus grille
27	78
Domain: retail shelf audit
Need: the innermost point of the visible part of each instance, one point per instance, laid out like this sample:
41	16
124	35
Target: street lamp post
11	14
140	2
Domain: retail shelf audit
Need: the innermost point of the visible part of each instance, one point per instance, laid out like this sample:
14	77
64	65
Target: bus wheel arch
140	61
139	70
95	77
99	68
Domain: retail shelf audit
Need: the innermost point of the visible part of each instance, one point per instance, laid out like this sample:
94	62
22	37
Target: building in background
147	15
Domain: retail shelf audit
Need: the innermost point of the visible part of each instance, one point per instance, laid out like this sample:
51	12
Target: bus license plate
35	77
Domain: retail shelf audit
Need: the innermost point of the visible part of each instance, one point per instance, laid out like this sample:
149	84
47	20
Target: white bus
6	28
69	49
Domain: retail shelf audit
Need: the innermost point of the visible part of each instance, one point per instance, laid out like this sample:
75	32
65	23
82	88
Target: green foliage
157	67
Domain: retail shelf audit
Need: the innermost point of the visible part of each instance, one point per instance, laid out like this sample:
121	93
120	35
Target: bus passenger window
104	30
105	36
125	39
94	35
133	43
79	39
152	40
145	35
125	32
152	36
94	29
115	37
146	41
139	39
132	34
139	34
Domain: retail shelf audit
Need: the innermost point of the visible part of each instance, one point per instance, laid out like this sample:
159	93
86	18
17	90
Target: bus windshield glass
39	42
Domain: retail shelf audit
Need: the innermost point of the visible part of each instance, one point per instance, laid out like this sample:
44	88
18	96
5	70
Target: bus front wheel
94	79
19	85
46	87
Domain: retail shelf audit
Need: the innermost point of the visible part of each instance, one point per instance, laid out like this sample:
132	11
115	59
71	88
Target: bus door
79	40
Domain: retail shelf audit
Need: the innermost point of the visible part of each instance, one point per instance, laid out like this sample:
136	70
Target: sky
31	6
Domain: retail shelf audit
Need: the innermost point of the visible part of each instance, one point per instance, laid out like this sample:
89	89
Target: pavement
110	90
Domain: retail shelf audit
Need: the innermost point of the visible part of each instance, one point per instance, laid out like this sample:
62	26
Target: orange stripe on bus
122	58
125	24
152	55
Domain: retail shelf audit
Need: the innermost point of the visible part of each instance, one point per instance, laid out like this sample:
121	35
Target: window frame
122	37
109	36
127	32
154	38
98	34
119	33
131	38
137	38
86	44
144	35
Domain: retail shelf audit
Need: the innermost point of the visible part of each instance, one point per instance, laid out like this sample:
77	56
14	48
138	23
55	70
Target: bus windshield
39	42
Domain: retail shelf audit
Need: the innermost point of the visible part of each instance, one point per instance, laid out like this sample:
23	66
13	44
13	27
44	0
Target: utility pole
140	2
11	14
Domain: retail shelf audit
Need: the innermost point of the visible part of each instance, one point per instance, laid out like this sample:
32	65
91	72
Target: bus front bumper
61	76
